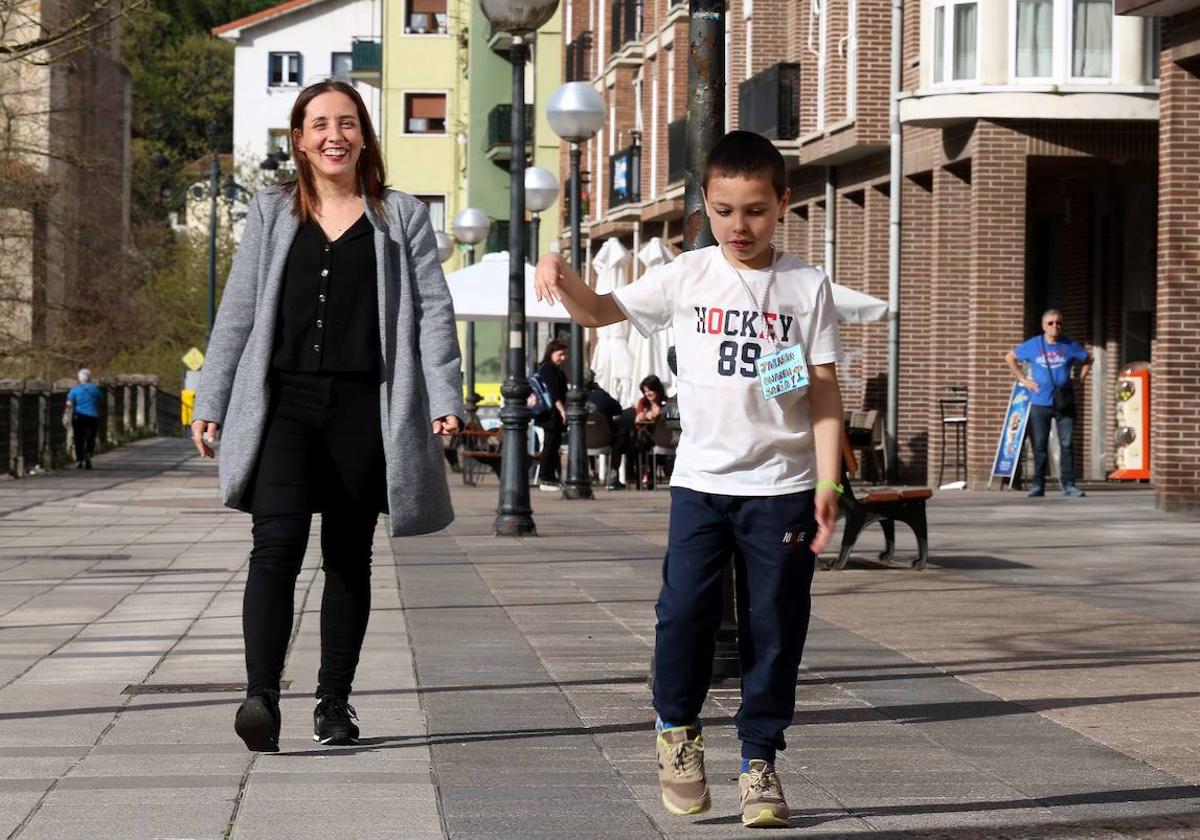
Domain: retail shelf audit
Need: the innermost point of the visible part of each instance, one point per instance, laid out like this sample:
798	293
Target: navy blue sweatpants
768	537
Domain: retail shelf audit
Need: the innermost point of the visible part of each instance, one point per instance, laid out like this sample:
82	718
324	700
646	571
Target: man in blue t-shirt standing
1051	357
83	410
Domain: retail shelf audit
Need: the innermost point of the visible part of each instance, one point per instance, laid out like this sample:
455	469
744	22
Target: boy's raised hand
548	278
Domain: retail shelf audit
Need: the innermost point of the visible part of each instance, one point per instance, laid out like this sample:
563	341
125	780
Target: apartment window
279	140
426	17
340	65
955	40
1091	39
1153	51
425	113
283	69
437	210
1035	38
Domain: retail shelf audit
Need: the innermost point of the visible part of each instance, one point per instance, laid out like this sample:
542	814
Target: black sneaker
257	723
333	722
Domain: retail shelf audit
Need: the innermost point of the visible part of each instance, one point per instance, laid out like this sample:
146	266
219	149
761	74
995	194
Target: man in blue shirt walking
1051	357
83	410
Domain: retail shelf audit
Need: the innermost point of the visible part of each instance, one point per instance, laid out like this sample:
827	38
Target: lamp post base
514	525
578	491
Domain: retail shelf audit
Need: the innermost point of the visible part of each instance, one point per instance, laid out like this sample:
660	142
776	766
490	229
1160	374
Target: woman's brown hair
371	179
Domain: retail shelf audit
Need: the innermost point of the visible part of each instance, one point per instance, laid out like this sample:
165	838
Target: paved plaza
1038	680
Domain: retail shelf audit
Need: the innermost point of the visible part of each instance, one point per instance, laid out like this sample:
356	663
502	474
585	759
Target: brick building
1176	383
1030	150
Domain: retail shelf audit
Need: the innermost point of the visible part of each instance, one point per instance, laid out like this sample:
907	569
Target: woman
554	422
82	414
645	413
332	366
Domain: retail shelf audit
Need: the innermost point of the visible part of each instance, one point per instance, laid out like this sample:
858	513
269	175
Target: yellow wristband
831	484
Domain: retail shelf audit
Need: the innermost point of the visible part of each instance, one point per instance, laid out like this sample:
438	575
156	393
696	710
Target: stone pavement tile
15	804
376	807
142	810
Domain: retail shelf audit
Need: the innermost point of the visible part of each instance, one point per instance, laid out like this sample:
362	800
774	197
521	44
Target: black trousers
322	452
84	428
550	458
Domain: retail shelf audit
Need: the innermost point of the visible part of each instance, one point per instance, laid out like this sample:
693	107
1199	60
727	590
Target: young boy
756	474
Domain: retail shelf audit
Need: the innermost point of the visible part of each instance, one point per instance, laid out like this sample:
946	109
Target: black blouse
328	310
555	379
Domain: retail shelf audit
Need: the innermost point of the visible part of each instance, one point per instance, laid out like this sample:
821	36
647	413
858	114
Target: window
425	113
1035	38
955	36
1063	40
279	140
284	69
426	17
340	65
1091	39
437	210
1153	48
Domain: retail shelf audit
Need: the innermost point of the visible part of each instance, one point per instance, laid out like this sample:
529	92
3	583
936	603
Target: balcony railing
366	57
769	103
625	176
676	150
585	198
626	22
497	238
579	59
499	133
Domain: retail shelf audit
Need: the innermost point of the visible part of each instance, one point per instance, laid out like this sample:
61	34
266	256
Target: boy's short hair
745	154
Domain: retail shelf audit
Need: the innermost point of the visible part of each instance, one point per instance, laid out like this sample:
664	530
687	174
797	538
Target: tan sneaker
763	805
681	771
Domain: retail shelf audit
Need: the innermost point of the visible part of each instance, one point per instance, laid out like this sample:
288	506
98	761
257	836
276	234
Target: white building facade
281	49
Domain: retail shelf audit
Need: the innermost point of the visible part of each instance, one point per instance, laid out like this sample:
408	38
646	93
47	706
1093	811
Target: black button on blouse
328	309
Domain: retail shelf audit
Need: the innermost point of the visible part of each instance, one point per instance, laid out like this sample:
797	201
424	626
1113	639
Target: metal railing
676	150
499	131
769	102
625	176
585	201
34	438
578	65
366	55
626	23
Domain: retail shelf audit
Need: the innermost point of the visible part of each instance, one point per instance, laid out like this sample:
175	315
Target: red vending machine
1133	423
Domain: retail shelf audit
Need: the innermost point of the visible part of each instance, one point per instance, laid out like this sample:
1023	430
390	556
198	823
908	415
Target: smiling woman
332	367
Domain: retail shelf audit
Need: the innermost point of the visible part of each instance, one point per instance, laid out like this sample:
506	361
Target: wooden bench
480	449
885	505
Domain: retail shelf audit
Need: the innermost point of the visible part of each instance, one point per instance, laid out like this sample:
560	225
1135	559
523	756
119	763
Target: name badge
783	372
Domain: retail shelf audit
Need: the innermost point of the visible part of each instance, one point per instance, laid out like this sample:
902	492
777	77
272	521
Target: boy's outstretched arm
555	280
825	409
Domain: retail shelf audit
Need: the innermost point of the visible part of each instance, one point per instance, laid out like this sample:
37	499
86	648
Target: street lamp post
541	191
471	226
576	113
514	518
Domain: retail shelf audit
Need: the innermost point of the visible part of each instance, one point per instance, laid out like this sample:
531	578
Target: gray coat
419	342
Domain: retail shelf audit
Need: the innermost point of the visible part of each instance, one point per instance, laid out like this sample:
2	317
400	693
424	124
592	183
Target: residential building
64	181
447	94
1175	397
285	47
1029	167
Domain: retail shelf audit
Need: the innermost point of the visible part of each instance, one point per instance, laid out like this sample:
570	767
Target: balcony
497	238
499	133
625	176
769	103
499	41
366	60
626	23
677	150
585	199
578	66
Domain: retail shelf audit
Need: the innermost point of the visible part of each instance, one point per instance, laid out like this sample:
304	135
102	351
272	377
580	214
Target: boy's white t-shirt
736	442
